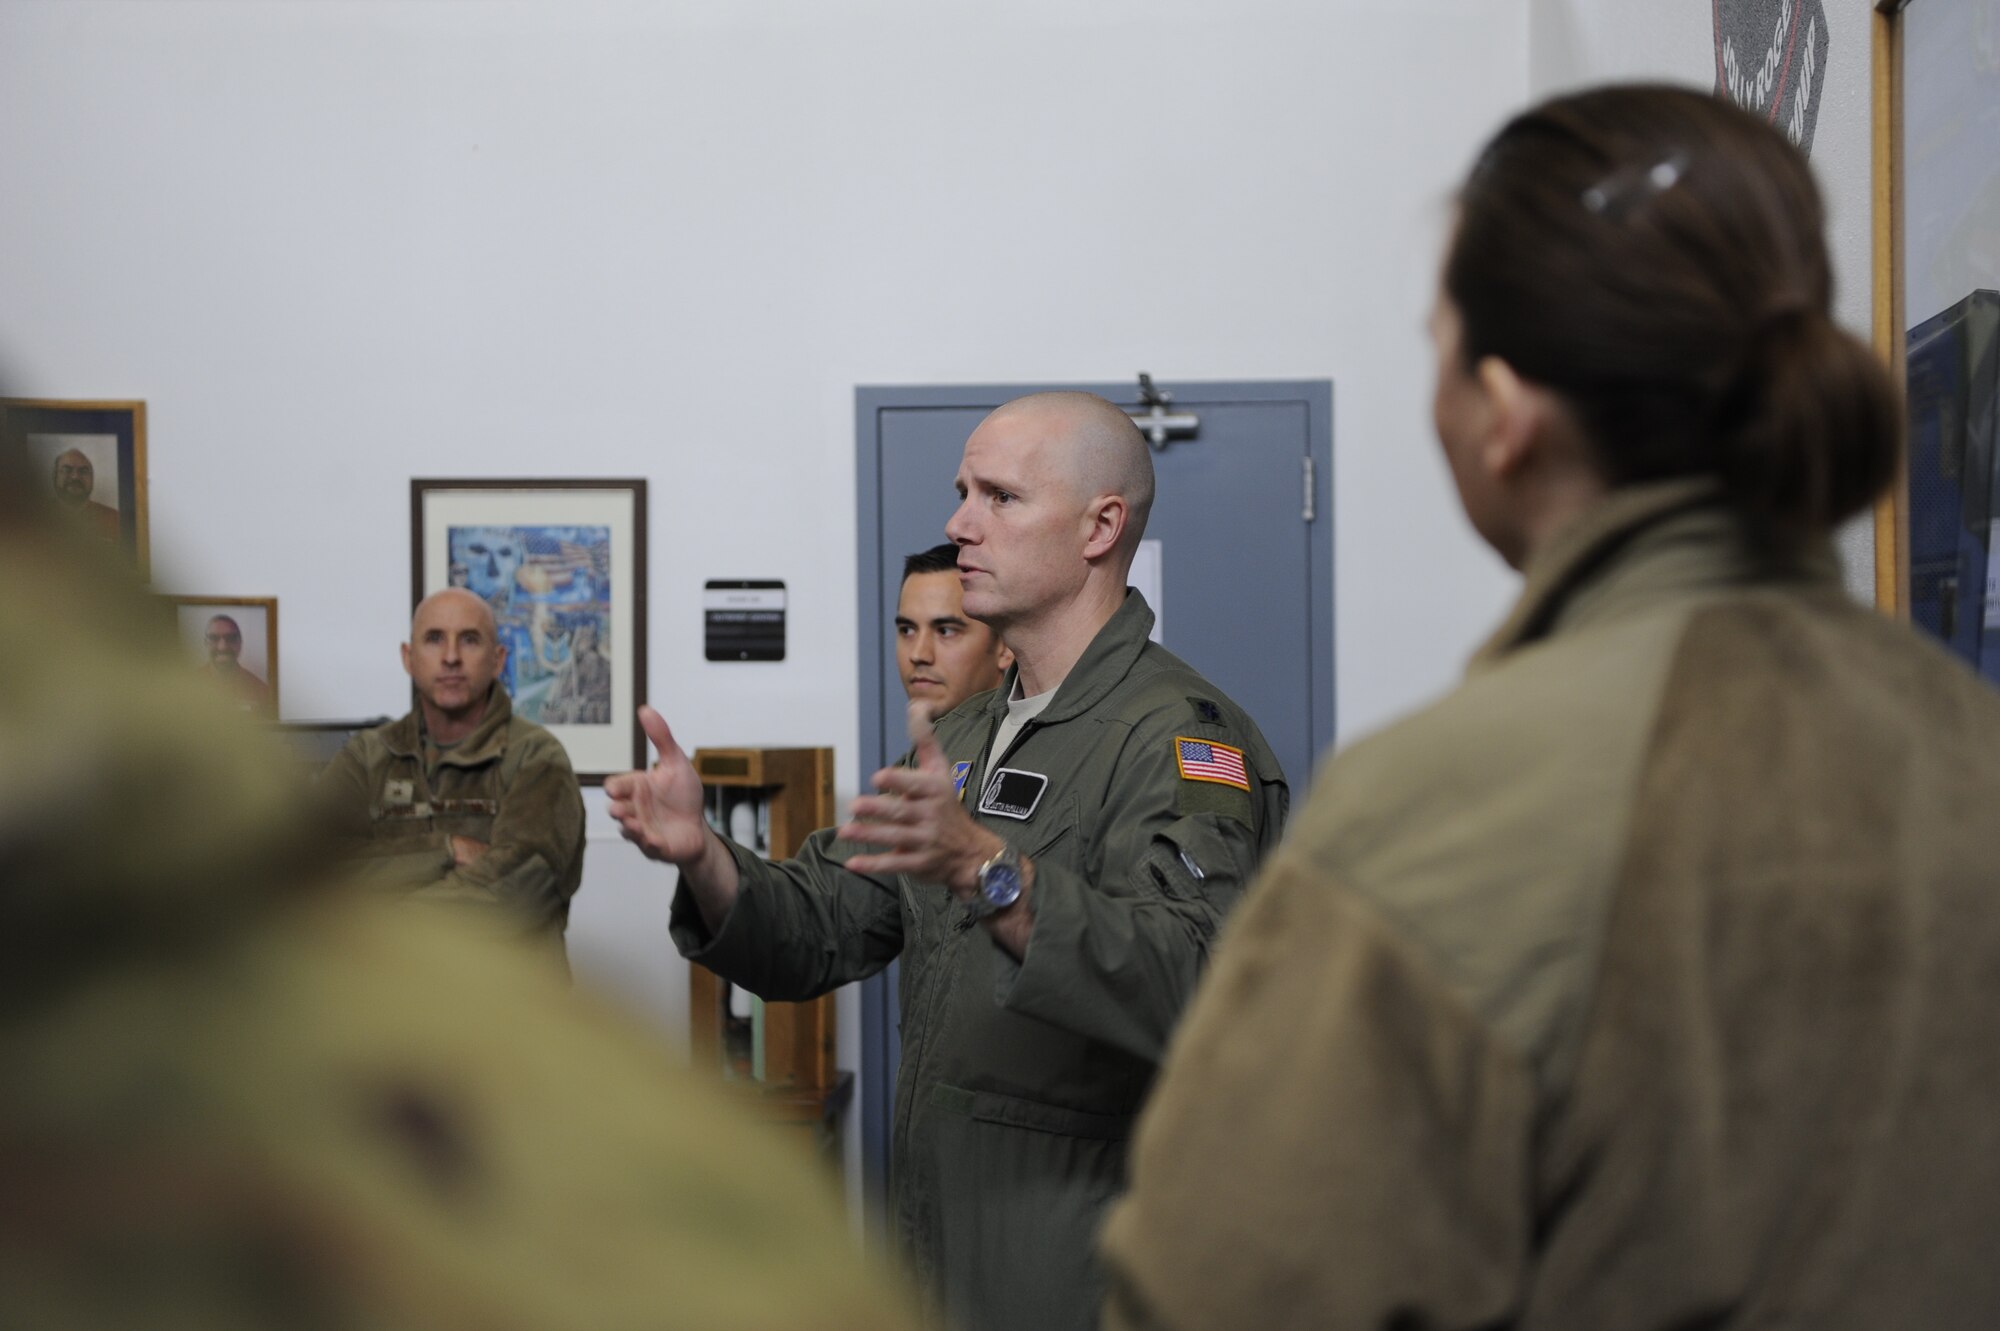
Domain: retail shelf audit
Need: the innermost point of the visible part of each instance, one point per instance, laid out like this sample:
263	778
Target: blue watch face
1000	885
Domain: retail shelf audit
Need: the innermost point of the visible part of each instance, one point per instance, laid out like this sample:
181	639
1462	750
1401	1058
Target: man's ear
406	661
1108	516
1003	657
1517	413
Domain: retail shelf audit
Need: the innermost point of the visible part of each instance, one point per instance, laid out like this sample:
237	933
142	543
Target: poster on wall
93	455
1950	283
1770	57
563	564
233	643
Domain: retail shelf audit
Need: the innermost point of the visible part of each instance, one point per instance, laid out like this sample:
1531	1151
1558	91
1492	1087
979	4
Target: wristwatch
999	884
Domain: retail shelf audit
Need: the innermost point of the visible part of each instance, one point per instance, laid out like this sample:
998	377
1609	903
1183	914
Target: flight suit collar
1641	544
1109	658
405	738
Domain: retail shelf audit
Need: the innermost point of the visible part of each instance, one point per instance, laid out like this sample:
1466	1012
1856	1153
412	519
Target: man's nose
923	646
958	529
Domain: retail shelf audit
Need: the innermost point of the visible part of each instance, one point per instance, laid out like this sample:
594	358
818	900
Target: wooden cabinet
781	1054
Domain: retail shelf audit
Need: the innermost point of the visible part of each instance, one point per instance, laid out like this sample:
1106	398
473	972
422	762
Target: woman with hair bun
1651	979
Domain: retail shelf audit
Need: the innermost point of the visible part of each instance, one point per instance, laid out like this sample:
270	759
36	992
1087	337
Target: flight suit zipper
945	974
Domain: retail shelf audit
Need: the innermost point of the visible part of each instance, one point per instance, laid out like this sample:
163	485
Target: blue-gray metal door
1242	514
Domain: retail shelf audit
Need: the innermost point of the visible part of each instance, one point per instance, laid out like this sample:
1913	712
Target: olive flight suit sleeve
1337	1141
799	928
533	862
1120	936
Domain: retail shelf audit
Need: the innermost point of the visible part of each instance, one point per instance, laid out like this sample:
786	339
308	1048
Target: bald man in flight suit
1052	865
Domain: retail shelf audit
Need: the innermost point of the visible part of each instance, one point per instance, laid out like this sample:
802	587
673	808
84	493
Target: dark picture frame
563	562
111	435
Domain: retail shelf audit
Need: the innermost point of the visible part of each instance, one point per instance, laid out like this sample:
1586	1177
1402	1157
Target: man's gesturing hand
659	809
916	818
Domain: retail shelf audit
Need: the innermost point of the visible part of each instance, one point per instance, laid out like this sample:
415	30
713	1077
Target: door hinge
1310	510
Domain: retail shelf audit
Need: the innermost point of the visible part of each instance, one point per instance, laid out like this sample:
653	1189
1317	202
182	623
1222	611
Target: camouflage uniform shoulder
390	1122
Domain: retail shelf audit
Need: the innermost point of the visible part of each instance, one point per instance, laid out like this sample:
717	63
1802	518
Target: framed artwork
233	640
1937	317
94	456
563	564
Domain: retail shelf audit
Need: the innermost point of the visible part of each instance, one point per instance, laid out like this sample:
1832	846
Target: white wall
1573	43
335	245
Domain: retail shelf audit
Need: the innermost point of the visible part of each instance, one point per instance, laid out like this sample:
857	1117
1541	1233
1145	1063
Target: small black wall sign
744	619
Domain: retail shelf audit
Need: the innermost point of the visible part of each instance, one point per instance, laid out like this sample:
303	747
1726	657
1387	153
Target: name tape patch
1013	793
1206	760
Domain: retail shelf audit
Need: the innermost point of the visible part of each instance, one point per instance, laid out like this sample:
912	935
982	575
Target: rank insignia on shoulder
1206	760
1207	711
959	771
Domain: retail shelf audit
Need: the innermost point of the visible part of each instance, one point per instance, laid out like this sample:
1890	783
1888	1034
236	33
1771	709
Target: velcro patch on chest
1206	760
1013	793
488	808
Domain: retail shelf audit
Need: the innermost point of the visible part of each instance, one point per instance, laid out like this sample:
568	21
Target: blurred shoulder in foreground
233	1094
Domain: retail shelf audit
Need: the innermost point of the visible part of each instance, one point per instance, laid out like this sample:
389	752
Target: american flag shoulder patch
1206	760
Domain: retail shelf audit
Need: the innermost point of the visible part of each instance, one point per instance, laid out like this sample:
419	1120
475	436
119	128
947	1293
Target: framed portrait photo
563	564
233	641
93	455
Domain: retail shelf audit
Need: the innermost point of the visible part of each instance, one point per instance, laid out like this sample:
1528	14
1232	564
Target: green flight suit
508	784
233	1096
1020	1080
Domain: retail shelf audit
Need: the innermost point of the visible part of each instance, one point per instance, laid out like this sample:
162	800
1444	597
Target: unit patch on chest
959	771
1012	793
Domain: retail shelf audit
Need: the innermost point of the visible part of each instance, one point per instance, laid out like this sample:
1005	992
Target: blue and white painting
550	589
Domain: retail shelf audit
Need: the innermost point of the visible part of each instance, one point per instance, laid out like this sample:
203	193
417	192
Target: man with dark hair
1051	866
943	657
462	801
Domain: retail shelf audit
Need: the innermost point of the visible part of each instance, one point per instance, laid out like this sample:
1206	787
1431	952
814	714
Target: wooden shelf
795	788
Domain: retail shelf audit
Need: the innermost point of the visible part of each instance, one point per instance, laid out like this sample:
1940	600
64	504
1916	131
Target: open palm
660	809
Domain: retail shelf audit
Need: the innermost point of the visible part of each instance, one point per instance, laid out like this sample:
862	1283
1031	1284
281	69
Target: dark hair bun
1804	433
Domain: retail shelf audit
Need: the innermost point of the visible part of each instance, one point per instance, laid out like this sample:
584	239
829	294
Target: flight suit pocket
1057	840
1050	846
1014	1111
1017	1189
1173	865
